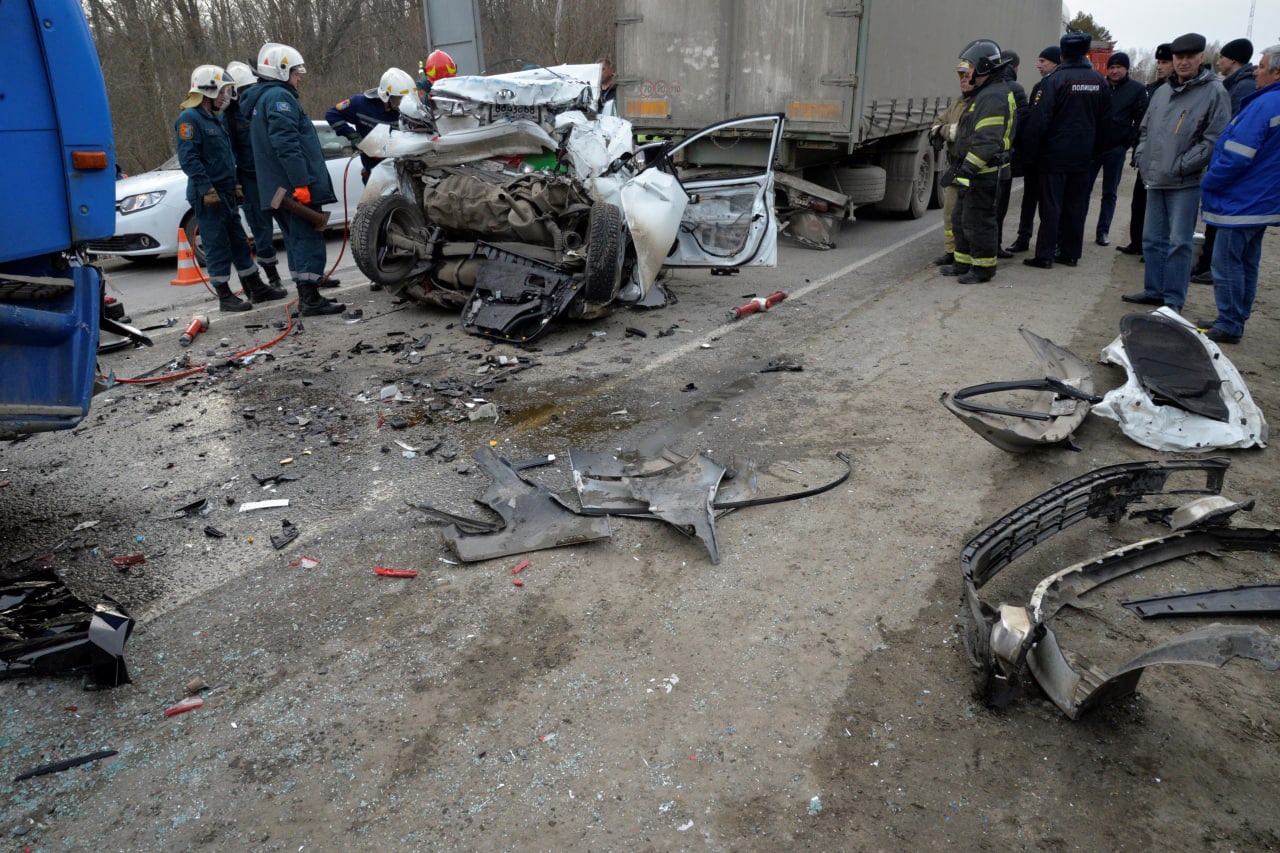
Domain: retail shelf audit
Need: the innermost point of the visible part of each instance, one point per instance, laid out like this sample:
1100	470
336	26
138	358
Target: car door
727	171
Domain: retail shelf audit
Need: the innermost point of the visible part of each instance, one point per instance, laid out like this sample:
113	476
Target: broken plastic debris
305	563
84	525
196	685
190	703
520	567
488	410
408	448
287	534
65	764
685	827
271	504
387	572
213	532
288	460
815	806
547	738
198	507
127	560
517	582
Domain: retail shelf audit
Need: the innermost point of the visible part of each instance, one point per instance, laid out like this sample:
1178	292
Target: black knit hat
1053	54
1119	58
1238	50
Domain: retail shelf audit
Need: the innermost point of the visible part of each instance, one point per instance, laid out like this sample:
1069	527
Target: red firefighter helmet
440	65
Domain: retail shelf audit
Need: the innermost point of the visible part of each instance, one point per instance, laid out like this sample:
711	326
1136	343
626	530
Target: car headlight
134	203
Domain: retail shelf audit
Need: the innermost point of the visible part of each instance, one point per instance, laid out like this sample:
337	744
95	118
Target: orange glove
302	195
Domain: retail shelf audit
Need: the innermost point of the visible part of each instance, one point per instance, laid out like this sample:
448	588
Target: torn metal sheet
1061	402
999	639
534	519
46	630
1181	393
1258	599
684	498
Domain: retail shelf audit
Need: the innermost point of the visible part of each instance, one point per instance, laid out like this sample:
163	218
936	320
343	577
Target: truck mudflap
49	315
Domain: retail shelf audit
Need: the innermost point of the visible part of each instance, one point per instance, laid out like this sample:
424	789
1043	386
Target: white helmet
241	74
395	84
276	61
209	80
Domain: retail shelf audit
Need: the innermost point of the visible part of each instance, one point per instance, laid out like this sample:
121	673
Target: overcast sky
1147	23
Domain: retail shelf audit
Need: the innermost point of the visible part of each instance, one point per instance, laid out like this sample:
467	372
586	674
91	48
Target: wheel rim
395	243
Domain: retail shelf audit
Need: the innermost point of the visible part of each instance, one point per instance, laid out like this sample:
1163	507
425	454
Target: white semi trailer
859	81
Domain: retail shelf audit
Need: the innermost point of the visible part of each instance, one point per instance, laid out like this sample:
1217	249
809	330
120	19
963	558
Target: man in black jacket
1138	204
1118	134
1045	64
1061	139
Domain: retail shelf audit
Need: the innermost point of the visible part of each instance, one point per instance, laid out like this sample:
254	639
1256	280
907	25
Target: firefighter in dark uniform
983	141
287	154
356	116
261	226
1062	138
205	154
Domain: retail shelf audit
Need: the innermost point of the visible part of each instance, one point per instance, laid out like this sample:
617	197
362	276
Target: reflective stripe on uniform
983	263
1241	149
1275	121
1229	220
974	159
989	121
962	258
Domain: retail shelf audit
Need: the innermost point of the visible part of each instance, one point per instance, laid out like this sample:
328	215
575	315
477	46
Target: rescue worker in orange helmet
437	66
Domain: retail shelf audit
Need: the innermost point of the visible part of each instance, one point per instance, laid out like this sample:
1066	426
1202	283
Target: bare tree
149	47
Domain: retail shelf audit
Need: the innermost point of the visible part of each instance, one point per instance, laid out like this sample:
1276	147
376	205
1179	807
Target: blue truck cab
57	171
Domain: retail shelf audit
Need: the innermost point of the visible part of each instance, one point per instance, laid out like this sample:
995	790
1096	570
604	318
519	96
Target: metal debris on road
287	534
65	764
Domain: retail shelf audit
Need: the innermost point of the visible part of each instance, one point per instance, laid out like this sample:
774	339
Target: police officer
287	154
1062	138
356	116
1045	64
982	146
260	224
205	154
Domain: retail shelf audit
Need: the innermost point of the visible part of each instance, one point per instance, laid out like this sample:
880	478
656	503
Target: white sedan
151	207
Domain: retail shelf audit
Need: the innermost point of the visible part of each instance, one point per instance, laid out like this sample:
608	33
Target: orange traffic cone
188	272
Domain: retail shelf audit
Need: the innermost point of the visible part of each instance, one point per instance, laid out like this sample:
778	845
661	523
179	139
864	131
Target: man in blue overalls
287	154
261	225
205	154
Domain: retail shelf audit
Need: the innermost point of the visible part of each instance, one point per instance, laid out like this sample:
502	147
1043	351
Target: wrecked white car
509	197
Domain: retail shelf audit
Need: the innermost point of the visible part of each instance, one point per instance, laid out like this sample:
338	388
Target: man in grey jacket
1182	123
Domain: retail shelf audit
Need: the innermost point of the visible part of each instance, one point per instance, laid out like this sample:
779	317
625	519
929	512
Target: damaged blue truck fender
58	170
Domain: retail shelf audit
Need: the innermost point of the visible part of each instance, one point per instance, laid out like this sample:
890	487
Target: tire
910	182
606	253
192	226
385	238
862	184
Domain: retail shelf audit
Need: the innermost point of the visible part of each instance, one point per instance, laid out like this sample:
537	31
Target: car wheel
606	253
385	238
192	228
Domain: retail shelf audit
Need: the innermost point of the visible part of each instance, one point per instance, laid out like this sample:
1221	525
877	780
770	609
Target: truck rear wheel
606	253
385	236
911	181
862	184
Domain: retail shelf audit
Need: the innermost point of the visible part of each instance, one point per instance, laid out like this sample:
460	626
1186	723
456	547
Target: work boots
259	291
312	304
273	273
228	301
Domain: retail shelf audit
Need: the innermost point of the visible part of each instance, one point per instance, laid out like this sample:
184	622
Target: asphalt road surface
808	691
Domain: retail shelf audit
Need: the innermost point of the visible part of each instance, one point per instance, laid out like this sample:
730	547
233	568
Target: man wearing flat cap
1138	204
1237	78
1183	121
1118	133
